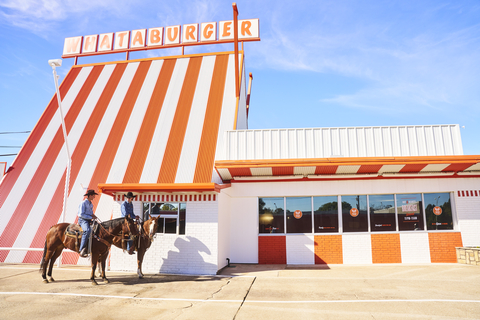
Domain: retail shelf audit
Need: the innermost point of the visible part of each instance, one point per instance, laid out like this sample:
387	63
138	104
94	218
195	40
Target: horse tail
44	254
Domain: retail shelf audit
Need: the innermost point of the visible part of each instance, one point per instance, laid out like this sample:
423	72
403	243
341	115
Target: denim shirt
127	209
85	210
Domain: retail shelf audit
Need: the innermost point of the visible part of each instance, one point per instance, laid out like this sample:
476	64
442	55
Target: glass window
271	214
382	212
170	215
299	215
354	213
325	214
438	211
410	212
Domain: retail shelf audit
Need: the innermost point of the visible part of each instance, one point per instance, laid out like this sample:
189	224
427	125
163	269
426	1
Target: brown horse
56	240
143	242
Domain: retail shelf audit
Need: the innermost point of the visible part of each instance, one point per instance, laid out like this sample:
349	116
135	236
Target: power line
10	146
8	155
12	132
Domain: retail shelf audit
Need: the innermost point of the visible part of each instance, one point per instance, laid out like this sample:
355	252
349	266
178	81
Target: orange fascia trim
110	188
225	164
157	58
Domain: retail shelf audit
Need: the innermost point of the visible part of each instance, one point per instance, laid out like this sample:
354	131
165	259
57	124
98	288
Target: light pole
58	63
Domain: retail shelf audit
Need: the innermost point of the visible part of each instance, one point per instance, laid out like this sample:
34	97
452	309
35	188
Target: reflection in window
438	211
170	215
382	212
325	214
354	213
271	215
410	212
299	214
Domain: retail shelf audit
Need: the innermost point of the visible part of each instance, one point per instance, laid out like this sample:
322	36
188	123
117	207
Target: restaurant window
299	214
270	215
325	214
354	213
438	211
382	212
171	216
410	212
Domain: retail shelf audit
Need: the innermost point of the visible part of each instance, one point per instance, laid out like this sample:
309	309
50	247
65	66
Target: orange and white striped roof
156	121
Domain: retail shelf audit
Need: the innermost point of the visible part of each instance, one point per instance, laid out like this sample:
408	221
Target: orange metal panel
31	143
169	167
144	139
208	142
14	226
55	208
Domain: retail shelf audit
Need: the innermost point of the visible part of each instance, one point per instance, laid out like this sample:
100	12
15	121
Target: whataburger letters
158	37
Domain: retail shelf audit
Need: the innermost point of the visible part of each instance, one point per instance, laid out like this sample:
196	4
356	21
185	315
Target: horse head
130	227
150	227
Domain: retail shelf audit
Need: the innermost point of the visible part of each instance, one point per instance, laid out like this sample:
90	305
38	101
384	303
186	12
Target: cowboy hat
129	195
90	192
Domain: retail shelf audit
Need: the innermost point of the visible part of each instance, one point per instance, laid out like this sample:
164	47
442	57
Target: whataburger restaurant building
174	131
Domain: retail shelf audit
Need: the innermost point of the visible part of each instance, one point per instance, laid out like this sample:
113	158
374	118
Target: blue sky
319	63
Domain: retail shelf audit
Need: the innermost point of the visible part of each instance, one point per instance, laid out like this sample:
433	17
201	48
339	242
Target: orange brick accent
386	248
272	250
328	249
442	246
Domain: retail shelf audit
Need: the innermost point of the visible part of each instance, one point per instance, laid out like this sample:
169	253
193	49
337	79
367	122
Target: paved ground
437	291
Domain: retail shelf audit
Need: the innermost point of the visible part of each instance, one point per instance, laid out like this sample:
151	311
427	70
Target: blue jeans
129	244
85	224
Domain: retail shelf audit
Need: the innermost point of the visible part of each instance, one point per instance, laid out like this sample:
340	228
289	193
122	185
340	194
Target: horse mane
112	223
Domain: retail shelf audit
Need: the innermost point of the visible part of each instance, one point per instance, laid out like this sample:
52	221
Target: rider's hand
94	217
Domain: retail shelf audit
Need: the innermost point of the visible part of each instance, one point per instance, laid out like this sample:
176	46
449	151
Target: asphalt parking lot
434	291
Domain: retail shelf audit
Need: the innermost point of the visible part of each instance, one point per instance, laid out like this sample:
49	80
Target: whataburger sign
155	38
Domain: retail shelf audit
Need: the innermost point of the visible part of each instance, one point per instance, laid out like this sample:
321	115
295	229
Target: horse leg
103	260
56	254
94	257
140	255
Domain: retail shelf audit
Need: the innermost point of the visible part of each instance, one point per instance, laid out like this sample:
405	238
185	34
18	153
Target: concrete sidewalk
433	291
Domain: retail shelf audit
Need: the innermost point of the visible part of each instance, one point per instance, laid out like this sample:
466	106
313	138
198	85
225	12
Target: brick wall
442	246
272	250
193	253
386	248
328	249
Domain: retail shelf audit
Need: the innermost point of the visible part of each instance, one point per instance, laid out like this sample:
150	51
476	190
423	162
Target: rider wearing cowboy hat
127	211
85	217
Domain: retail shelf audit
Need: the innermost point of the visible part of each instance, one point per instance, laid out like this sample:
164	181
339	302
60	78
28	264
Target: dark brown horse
143	242
56	240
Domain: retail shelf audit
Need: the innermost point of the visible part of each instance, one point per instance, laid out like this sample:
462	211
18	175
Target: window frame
341	226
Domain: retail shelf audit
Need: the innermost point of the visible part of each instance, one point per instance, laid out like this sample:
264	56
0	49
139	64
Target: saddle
74	231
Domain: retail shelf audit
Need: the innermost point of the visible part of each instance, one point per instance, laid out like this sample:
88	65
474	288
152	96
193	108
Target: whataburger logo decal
154	38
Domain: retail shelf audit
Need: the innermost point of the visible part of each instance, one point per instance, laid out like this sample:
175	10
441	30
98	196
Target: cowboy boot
84	253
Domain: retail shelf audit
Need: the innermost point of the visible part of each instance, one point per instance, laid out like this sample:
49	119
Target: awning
348	168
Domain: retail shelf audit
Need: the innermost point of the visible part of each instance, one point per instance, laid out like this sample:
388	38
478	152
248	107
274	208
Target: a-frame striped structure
155	121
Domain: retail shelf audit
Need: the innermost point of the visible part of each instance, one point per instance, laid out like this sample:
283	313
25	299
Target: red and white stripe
150	121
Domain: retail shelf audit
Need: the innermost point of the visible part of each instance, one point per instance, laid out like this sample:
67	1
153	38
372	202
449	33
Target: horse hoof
140	277
45	281
94	283
106	280
51	280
